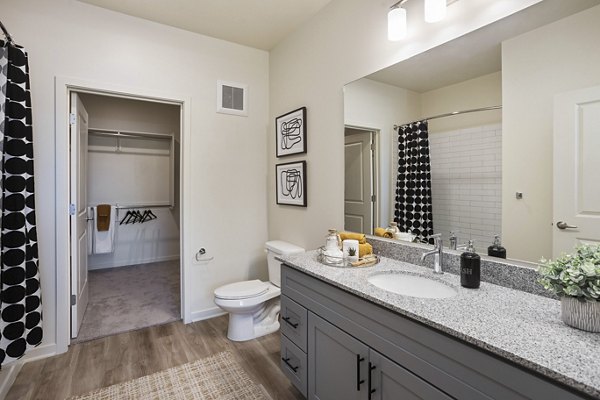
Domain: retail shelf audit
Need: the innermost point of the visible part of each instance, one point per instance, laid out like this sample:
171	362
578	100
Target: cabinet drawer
293	322
293	364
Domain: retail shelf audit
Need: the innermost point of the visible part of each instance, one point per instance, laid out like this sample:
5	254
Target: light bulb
396	24
435	10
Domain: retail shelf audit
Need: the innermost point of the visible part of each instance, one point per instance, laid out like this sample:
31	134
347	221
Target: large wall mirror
521	161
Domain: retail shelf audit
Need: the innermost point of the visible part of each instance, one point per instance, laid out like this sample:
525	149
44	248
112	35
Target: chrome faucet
437	252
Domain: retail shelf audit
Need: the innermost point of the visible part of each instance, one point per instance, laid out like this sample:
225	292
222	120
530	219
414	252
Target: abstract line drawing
291	133
291	183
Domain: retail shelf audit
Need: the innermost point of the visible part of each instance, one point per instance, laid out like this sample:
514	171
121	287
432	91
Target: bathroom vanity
344	338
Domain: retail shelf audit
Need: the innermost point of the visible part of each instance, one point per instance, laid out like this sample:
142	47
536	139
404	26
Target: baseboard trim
9	372
133	262
206	314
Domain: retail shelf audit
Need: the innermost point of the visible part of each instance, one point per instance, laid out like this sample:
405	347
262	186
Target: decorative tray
344	262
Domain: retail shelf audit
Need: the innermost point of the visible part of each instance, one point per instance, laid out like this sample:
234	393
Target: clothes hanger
128	214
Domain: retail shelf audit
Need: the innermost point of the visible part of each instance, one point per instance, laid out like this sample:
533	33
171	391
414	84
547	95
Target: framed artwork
291	183
290	135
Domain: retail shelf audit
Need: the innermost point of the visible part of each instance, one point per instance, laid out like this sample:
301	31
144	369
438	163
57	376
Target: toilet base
251	325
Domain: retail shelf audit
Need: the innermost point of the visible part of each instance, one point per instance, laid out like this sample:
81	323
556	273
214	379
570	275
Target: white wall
345	41
556	58
141	174
227	168
378	106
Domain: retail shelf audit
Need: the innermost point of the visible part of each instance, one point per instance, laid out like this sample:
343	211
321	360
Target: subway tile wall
466	179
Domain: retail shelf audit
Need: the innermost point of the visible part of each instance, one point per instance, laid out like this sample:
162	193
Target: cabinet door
389	381
337	363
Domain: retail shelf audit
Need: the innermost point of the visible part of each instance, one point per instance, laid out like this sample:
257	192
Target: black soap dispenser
470	268
496	249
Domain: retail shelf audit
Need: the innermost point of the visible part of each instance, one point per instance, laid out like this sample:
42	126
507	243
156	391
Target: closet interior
133	231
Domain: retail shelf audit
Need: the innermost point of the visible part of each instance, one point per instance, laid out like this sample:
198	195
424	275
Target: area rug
219	377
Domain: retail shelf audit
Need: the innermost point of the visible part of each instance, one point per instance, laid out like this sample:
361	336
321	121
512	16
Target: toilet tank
278	248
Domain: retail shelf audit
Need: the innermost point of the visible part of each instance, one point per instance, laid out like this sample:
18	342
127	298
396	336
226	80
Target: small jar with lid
333	240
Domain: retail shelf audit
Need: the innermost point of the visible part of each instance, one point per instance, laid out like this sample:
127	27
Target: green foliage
351	251
574	275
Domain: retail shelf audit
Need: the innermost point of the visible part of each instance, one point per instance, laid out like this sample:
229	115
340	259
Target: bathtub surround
466	183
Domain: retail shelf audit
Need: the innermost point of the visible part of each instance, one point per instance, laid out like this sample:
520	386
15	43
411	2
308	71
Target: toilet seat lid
242	290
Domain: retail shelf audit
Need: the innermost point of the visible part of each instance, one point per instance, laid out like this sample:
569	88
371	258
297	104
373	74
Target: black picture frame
290	133
291	184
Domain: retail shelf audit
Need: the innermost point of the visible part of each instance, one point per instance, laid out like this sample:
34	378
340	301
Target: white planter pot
584	315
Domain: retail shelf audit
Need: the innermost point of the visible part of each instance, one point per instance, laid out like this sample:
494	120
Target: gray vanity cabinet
337	363
341	367
336	345
389	381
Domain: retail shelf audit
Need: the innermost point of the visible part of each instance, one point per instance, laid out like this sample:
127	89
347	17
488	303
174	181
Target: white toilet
253	306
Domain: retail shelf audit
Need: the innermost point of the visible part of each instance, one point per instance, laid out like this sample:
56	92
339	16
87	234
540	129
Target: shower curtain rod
450	114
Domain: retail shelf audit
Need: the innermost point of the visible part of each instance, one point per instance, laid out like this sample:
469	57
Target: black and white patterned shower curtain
413	187
20	292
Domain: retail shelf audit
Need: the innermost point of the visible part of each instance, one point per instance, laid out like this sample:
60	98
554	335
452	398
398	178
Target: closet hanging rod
5	31
132	206
453	113
129	134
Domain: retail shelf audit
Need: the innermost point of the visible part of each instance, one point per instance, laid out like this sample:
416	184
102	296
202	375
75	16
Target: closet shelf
129	134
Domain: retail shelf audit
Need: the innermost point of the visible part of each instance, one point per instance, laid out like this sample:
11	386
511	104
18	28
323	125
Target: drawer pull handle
287	362
287	321
359	381
370	390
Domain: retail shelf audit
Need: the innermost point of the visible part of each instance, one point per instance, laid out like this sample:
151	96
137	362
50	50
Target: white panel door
576	169
78	209
358	205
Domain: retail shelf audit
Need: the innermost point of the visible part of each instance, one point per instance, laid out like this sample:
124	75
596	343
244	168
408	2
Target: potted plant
575	278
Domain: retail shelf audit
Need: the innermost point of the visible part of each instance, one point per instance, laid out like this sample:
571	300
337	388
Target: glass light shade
435	10
397	24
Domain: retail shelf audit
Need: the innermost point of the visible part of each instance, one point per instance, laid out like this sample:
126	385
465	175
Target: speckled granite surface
507	273
512	324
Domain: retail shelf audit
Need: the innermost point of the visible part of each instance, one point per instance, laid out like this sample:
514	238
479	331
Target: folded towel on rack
103	220
383	233
354	236
104	240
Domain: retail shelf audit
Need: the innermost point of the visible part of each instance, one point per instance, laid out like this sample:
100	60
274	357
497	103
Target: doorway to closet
125	214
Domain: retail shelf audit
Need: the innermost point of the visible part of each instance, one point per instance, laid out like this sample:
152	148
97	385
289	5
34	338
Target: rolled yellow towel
383	233
353	236
364	249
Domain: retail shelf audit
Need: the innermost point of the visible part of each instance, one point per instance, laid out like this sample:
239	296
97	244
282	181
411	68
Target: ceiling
475	54
256	23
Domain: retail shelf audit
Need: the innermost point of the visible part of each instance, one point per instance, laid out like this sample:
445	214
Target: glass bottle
496	249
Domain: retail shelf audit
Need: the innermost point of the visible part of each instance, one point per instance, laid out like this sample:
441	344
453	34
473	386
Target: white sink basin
412	285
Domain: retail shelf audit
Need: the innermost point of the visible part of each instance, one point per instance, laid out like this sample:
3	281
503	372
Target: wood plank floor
119	358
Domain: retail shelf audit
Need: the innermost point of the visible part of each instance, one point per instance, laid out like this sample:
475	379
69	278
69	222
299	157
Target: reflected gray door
337	363
358	182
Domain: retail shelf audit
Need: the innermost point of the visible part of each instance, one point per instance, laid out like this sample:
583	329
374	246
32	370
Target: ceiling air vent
231	98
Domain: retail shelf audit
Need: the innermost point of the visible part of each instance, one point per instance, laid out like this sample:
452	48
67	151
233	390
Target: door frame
376	189
63	88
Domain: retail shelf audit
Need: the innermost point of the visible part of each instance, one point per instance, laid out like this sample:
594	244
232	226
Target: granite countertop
521	327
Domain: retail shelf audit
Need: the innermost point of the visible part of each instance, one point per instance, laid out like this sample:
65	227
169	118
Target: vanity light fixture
397	22
435	10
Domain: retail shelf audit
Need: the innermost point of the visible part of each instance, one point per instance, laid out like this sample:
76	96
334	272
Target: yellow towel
383	233
103	222
353	236
364	249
